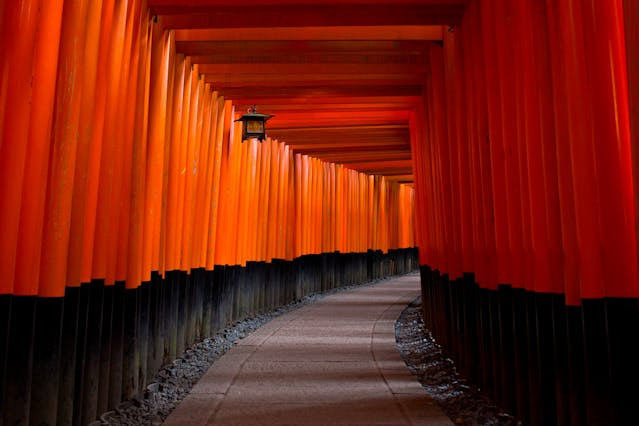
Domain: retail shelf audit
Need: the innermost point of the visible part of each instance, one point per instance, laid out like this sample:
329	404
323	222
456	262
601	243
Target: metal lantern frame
254	124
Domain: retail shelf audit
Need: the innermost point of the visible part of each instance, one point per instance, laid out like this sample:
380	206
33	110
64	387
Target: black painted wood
521	353
207	304
81	336
105	349
67	379
575	360
46	361
547	362
5	316
117	340
93	349
545	390
84	353
597	362
17	391
156	326
182	310
560	351
143	333
173	293
623	335
131	348
506	340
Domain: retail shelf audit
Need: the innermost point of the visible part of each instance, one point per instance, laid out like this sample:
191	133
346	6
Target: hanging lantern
254	124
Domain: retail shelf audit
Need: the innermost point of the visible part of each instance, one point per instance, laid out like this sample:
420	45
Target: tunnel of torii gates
134	221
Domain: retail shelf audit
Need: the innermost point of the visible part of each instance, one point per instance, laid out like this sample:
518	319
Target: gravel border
174	381
460	401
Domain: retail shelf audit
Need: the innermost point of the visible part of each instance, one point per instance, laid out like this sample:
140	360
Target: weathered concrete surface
332	362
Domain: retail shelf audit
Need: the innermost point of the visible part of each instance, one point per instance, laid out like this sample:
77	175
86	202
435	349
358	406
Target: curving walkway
330	362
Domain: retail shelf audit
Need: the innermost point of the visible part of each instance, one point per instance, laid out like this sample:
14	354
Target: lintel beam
316	15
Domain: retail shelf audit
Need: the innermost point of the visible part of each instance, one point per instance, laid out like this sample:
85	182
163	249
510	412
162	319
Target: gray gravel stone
172	383
460	401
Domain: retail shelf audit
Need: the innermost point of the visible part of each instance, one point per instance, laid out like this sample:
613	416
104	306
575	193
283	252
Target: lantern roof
252	114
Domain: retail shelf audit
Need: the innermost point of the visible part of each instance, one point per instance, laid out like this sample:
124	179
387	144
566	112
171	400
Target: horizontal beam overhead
340	146
401	178
259	3
335	107
379	165
286	50
322	91
346	134
384	171
255	59
332	33
313	69
341	77
355	156
221	16
329	101
250	81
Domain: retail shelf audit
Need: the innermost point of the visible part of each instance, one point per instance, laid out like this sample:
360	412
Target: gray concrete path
330	362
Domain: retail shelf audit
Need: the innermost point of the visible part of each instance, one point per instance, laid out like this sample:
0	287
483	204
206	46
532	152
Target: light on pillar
254	124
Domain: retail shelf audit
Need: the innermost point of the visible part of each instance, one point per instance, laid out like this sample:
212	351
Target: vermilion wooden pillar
107	160
215	195
179	76
631	19
606	61
46	344
495	142
96	143
38	147
138	166
20	19
86	129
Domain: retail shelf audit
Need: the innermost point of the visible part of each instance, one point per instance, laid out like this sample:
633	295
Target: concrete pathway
330	362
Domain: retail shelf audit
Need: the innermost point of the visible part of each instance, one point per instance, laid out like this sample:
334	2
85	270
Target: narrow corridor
171	168
331	362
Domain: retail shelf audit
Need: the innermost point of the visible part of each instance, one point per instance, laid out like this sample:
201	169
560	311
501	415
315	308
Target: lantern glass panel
255	126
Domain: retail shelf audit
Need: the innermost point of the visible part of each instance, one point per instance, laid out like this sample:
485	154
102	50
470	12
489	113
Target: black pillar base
67	360
546	362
